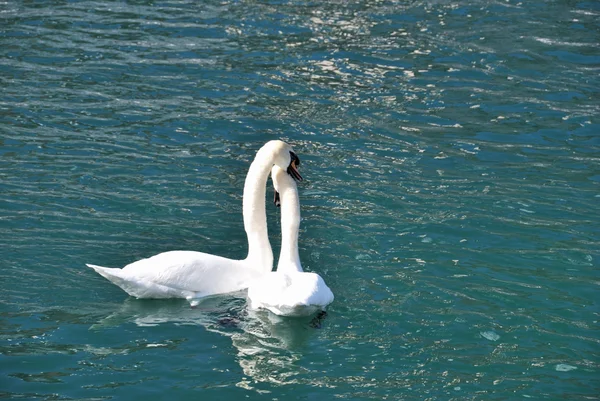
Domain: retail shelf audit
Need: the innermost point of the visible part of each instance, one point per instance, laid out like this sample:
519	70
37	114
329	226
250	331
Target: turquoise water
452	162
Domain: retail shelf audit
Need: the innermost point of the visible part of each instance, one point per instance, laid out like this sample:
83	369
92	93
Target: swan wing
181	274
139	287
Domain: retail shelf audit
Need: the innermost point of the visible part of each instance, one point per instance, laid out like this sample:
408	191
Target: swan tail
117	277
113	275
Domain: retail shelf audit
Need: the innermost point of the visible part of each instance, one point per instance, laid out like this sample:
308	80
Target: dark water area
452	161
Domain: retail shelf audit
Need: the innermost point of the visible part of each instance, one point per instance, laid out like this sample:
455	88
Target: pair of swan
193	275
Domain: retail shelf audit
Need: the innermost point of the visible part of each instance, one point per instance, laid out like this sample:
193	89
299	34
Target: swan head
283	180
285	158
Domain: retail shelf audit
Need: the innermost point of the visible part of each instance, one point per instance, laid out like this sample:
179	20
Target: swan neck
260	253
289	259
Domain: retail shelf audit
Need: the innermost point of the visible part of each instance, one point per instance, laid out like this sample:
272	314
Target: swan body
181	274
192	275
290	294
289	291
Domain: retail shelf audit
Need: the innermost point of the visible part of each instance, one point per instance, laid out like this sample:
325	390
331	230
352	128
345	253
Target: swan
193	275
289	291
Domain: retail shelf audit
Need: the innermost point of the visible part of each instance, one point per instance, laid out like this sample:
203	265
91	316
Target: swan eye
295	159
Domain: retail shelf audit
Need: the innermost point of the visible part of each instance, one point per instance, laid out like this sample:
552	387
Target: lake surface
451	153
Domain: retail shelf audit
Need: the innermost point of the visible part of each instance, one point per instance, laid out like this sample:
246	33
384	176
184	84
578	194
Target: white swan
193	275
289	291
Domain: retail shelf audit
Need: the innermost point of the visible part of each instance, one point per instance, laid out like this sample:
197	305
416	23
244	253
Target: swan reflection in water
268	346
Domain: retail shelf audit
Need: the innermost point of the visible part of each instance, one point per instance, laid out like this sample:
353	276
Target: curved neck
260	253
289	259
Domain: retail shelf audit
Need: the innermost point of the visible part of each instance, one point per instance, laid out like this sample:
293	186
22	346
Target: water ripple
451	156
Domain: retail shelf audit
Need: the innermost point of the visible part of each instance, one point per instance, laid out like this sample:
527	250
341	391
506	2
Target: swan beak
293	169
277	199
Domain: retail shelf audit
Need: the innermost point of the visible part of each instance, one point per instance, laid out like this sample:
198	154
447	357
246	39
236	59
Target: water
451	152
